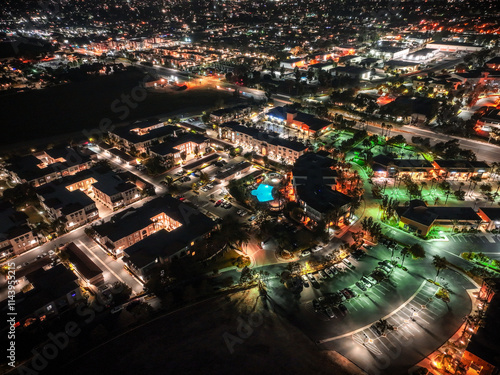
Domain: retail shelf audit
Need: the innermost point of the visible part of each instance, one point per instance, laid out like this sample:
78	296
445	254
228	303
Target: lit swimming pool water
264	193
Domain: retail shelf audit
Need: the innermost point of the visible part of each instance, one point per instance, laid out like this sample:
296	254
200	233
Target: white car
347	263
329	312
316	248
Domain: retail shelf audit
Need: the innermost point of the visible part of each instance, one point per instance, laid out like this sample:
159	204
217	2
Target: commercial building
490	217
354	72
420	218
454	47
490	120
461	169
385	166
303	122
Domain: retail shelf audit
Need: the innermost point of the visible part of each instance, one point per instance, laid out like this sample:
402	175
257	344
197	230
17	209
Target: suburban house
164	214
40	168
87	271
142	134
354	72
314	179
265	144
290	64
301	121
420	218
16	236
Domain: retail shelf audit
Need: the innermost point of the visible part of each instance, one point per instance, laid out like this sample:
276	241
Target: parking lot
405	301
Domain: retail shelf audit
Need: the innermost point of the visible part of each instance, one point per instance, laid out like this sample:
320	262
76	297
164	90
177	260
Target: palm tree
417	251
389	127
233	232
440	263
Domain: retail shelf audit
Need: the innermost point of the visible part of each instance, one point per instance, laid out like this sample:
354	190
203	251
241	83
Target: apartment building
142	134
46	166
265	144
16	236
164	214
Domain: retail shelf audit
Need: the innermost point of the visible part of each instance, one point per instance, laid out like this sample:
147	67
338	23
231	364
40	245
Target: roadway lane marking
104	264
424	283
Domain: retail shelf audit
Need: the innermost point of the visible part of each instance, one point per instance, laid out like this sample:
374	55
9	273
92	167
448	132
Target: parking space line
384	288
396	311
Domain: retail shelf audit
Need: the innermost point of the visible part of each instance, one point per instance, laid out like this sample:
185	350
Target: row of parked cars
223	203
380	273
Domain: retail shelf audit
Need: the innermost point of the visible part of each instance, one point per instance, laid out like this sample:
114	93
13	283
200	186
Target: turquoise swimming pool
264	193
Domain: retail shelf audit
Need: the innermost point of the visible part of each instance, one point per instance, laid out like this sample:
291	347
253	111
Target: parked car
370	279
316	305
342	296
361	285
346	293
334	270
385	268
343	309
305	253
305	281
348	263
329	312
328	272
116	309
388	263
323	275
316	248
352	292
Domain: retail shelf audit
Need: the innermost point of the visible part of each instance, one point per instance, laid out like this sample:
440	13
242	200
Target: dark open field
82	105
193	341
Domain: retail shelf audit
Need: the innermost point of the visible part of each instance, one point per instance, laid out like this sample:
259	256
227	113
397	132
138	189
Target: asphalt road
484	151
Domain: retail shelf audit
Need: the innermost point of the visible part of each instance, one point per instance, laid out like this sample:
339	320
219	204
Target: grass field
82	105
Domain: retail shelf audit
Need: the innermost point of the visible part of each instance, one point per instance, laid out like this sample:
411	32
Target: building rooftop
135	219
313	178
82	262
419	212
134	137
